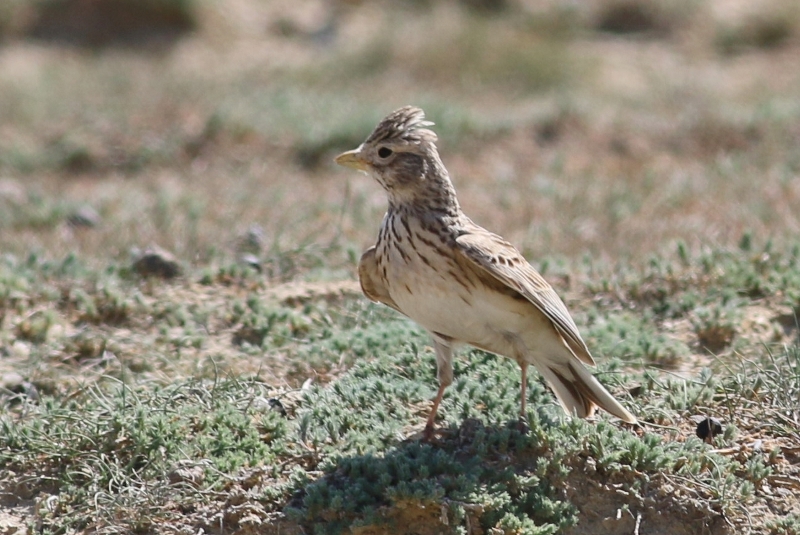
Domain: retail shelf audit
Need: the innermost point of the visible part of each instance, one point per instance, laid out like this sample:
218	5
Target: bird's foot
522	425
429	433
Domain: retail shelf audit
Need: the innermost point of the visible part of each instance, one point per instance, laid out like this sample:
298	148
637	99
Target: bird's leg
430	427
444	372
523	421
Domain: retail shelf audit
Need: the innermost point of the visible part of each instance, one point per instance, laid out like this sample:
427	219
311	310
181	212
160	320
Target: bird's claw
522	425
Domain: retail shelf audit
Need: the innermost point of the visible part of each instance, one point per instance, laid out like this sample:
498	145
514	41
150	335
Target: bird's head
401	155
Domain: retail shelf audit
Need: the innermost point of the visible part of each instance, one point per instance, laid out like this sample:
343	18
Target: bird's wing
498	258
371	283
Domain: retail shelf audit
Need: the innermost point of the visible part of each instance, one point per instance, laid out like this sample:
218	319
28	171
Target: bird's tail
580	393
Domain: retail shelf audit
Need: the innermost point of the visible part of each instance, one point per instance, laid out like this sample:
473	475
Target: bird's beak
353	159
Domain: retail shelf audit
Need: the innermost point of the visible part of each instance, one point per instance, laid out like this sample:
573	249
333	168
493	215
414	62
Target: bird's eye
383	152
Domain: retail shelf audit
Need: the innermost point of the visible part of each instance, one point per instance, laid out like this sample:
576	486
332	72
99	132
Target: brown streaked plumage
460	281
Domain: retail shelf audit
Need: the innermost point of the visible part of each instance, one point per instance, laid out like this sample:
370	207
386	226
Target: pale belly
474	314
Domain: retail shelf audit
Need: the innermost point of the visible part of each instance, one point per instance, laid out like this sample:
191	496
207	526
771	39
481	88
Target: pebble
157	262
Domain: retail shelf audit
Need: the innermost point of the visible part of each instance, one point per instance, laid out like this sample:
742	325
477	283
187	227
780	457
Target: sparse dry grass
614	148
600	139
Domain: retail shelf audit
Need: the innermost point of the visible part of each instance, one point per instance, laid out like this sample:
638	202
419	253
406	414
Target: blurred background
610	128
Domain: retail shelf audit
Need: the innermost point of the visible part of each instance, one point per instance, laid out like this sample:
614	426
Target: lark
462	283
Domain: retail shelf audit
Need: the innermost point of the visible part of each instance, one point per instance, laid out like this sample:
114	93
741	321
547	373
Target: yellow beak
352	159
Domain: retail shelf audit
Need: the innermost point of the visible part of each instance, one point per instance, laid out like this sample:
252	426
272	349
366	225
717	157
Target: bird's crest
406	124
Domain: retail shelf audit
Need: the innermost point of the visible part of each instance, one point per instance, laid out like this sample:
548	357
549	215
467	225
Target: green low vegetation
103	435
643	154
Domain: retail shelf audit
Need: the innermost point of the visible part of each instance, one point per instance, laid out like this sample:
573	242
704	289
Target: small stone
269	404
11	381
187	472
14	383
636	390
85	216
707	427
276	405
252	335
251	260
252	241
157	262
20	349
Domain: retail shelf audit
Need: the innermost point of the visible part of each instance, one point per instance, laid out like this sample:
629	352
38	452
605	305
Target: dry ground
596	137
566	140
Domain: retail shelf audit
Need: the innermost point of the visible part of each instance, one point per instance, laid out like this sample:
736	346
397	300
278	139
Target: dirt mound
607	509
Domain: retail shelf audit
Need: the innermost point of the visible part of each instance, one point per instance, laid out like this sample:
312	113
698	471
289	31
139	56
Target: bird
461	282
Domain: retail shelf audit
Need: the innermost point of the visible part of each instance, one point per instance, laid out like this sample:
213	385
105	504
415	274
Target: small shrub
766	31
113	22
788	525
34	328
716	326
635	339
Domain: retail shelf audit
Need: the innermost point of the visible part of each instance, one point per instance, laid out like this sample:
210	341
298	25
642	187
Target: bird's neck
404	220
434	195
